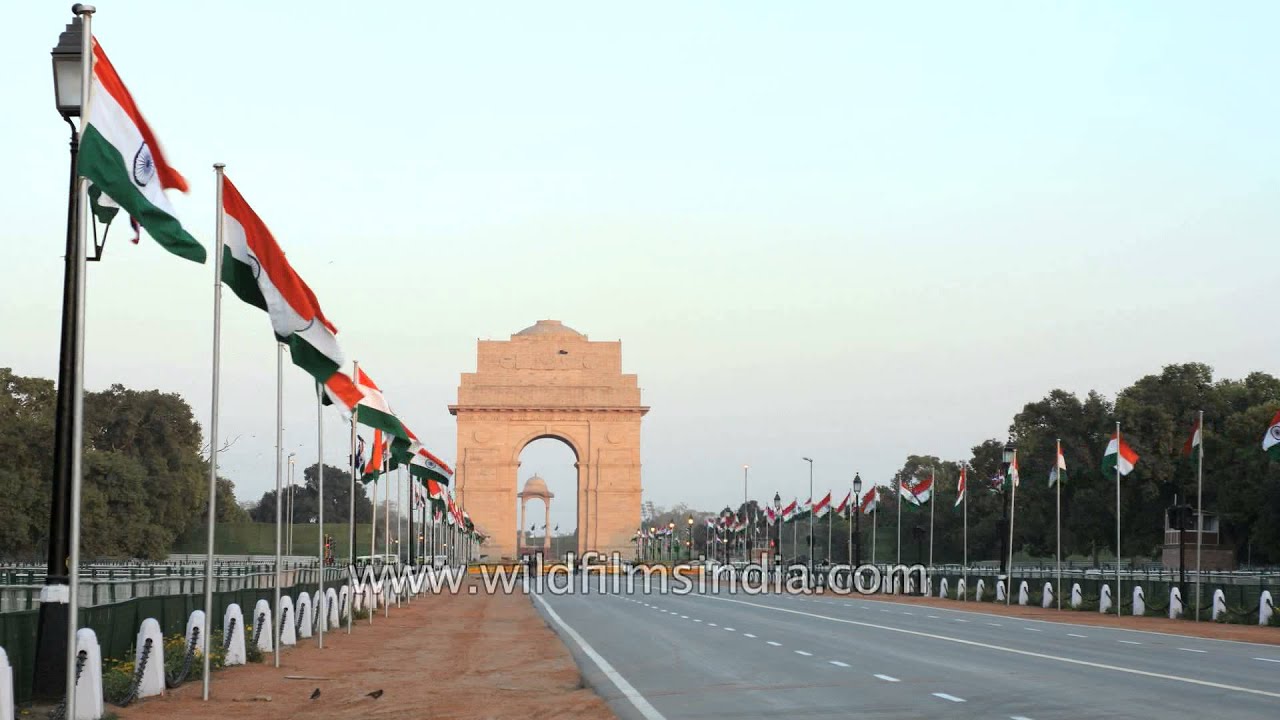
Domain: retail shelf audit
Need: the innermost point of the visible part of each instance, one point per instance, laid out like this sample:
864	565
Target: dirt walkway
1204	629
464	656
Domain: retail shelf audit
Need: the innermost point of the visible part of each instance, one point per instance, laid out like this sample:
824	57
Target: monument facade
550	381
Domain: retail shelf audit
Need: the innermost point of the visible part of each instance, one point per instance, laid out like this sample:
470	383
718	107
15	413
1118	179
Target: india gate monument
550	381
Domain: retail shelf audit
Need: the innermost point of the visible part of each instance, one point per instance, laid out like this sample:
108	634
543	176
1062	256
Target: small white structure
195	624
1104	600
331	604
1046	599
288	622
982	586
1000	591
262	619
961	590
152	682
6	687
1265	608
89	686
305	618
1077	596
1219	603
1023	595
344	601
942	588
1175	603
233	628
1139	601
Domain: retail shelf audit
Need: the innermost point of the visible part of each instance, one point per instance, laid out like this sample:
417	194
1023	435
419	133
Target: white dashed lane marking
1193	650
932	617
995	624
837	663
1268	660
949	698
1032	629
888	678
712	624
1076	635
748	635
806	654
775	644
1129	642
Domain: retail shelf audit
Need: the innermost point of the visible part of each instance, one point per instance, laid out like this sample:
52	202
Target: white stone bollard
1077	595
928	586
1219	603
942	588
982	586
331	603
1000	591
305	618
235	650
368	601
195	624
262	615
89	686
153	675
1265	608
1046	599
6	687
1139	601
344	601
1023	596
961	590
1175	603
1104	600
288	622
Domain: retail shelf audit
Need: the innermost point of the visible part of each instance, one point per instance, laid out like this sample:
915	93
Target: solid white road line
1012	651
806	654
646	710
1192	650
945	696
888	678
775	644
837	663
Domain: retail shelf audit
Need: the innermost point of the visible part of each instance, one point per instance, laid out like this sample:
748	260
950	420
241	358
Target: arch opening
547	496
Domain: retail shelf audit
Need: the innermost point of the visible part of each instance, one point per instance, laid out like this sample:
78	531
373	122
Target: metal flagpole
899	483
1199	508
829	514
1057	471
933	496
351	516
386	528
320	503
279	496
875	517
399	516
853	506
965	474
1013	506
77	376
218	169
1118	457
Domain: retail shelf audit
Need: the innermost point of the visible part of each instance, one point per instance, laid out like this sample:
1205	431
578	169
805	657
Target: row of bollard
1266	606
297	620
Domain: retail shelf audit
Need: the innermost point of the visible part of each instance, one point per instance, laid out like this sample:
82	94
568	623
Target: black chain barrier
60	712
136	684
284	618
181	676
226	640
257	631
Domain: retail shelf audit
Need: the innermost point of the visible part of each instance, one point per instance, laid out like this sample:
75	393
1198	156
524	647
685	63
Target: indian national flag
122	158
1193	442
373	468
256	270
1059	470
1271	441
1118	455
374	410
842	510
960	486
823	506
789	512
1011	479
869	498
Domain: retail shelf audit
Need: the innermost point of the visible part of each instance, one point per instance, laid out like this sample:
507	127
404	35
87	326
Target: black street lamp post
1005	461
856	509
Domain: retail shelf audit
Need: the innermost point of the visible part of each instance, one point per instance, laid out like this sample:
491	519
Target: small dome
536	486
548	327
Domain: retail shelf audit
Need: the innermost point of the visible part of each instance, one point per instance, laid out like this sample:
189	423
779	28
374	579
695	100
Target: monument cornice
620	409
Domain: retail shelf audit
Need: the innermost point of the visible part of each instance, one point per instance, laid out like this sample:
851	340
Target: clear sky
851	231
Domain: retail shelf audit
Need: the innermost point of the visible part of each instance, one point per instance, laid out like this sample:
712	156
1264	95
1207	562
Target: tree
306	509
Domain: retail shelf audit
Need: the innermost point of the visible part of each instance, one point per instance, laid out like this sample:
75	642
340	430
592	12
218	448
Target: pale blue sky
845	230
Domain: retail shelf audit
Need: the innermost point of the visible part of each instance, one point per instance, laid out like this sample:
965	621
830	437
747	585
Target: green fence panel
18	638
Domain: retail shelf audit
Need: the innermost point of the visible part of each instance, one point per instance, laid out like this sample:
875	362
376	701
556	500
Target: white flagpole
386	523
1199	509
1013	506
218	169
1119	456
1057	471
320	497
875	519
933	500
275	608
899	484
966	531
77	376
351	517
399	519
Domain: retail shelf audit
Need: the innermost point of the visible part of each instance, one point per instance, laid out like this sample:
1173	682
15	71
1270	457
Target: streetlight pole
55	596
809	555
291	515
690	538
1006	461
857	519
777	521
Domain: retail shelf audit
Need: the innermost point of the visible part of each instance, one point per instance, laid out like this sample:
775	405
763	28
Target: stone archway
551	381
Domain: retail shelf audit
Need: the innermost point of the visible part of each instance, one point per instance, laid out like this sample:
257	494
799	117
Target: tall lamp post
690	521
856	509
809	554
55	597
673	540
751	529
1006	459
291	516
777	521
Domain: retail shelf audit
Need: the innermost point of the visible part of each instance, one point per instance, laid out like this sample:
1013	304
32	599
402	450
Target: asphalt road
654	655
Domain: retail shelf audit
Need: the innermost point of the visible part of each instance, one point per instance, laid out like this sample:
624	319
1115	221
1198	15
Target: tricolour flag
121	157
842	510
255	268
1059	470
1011	475
373	468
960	486
917	491
1194	440
375	411
770	515
789	512
1271	441
869	499
823	506
1120	455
